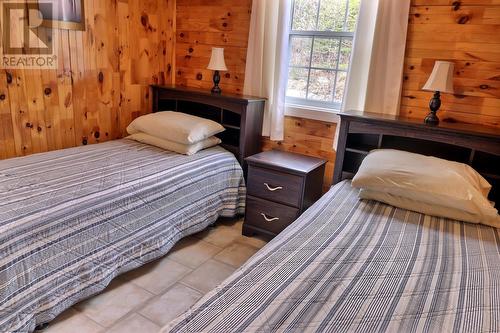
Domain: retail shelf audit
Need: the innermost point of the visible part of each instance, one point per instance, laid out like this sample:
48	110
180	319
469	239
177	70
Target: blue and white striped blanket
72	220
360	266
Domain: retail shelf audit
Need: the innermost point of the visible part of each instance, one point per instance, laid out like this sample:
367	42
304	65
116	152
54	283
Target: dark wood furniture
280	187
478	146
240	115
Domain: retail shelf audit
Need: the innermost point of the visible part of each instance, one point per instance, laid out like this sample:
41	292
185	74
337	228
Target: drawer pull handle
273	189
269	219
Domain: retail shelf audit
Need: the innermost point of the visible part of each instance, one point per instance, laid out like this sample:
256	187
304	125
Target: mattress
360	266
72	220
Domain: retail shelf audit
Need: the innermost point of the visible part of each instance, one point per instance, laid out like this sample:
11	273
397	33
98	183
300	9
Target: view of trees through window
320	49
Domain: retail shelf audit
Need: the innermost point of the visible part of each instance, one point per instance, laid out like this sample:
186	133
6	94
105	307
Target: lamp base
431	119
216	89
434	105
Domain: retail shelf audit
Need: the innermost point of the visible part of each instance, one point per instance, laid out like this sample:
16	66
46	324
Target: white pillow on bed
426	184
175	126
174	146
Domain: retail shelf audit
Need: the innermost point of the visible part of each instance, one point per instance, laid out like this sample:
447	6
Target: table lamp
440	81
217	64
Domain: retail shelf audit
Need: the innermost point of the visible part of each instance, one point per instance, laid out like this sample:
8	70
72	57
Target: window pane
332	15
339	88
325	53
352	16
300	51
297	82
345	53
321	85
304	14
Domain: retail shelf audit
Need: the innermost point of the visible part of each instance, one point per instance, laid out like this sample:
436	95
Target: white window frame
296	103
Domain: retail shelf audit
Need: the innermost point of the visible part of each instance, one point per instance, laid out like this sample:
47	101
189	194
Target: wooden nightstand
280	187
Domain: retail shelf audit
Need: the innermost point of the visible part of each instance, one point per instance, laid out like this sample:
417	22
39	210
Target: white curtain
267	61
376	74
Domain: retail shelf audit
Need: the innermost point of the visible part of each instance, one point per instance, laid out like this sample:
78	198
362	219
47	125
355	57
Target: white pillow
422	207
174	146
175	126
428	181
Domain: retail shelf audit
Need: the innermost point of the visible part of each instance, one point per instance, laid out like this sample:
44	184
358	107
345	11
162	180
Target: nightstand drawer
276	186
268	215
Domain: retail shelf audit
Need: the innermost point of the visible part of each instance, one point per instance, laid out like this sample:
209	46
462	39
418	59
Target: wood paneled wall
466	32
101	82
132	44
202	24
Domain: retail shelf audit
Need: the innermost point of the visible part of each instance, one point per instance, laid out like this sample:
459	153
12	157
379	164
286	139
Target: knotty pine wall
100	85
463	31
466	32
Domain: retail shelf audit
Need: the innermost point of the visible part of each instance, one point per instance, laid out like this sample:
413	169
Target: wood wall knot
39	129
456	5
9	78
227	75
97	134
199	76
100	77
144	19
47	91
29	125
484	86
463	19
145	22
2	97
84	141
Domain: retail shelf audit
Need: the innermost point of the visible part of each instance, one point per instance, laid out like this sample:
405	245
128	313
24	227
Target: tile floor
145	299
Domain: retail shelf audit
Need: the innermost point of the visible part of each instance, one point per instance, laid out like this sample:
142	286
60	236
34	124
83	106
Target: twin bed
72	220
351	265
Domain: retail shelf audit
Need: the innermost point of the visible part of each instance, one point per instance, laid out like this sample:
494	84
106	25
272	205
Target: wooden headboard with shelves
240	115
476	145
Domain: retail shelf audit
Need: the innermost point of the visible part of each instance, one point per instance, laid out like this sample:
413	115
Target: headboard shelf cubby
240	115
476	145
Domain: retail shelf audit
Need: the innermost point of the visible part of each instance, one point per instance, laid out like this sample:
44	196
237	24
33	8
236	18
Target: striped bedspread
360	266
72	220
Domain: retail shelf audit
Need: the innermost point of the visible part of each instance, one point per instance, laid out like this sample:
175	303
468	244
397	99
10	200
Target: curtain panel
375	78
266	72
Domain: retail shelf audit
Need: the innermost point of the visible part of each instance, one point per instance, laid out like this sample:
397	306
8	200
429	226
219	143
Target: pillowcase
174	146
428	181
175	126
422	207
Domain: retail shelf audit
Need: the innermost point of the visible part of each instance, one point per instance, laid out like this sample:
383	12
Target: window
321	39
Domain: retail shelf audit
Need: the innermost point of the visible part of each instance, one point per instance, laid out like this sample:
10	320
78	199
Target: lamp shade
217	62
441	78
